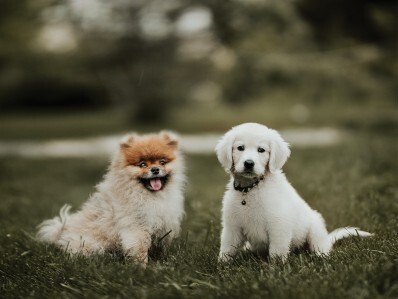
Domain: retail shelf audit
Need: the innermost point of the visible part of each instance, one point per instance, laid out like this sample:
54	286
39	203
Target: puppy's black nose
249	164
155	170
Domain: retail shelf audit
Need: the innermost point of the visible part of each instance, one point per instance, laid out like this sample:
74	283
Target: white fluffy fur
275	217
121	214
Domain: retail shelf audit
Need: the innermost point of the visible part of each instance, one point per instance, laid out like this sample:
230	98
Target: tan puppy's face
149	159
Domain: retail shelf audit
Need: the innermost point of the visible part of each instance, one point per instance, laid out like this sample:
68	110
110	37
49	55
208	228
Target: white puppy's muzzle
250	165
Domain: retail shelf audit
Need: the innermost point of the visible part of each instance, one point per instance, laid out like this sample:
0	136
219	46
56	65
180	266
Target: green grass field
354	183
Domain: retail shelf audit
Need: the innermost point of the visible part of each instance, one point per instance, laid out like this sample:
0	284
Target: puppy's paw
224	257
278	259
141	261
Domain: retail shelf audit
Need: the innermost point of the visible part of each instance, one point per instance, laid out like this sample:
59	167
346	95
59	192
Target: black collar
246	189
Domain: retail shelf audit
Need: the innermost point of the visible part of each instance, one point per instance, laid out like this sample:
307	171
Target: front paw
139	260
278	258
224	257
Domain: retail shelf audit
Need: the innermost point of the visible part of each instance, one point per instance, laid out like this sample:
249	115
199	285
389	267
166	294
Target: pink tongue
156	184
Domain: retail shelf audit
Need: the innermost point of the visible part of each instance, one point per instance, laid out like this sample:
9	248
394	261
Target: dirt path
192	144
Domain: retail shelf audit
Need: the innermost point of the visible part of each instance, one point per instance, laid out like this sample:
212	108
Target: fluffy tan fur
125	213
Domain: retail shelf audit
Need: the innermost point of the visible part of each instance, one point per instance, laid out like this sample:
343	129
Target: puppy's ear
171	138
280	152
224	151
127	141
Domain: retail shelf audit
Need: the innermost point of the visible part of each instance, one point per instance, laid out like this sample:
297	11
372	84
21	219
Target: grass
350	184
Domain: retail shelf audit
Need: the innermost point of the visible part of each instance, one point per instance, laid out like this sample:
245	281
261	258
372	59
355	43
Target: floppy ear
224	151
279	154
171	138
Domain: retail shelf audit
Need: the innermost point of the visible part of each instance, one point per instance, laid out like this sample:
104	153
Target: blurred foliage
147	57
31	78
369	21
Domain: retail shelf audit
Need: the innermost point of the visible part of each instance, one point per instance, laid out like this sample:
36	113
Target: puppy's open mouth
154	183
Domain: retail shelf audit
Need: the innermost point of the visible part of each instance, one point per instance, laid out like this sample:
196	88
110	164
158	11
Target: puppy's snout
249	164
155	170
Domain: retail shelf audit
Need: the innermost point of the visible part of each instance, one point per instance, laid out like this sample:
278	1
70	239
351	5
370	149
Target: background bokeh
84	67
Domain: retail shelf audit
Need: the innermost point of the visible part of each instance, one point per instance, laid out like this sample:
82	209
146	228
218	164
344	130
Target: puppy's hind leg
84	245
318	238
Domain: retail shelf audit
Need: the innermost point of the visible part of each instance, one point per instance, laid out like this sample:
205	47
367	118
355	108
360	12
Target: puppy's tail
51	229
345	232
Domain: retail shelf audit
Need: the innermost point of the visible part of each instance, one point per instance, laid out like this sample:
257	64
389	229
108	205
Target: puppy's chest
253	216
161	213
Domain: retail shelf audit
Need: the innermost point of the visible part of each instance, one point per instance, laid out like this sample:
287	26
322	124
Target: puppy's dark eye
162	162
241	148
261	150
142	164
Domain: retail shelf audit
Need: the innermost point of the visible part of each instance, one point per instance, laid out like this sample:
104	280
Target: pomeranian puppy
139	201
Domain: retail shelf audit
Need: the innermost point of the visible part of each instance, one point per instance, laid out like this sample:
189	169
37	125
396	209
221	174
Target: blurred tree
373	21
139	76
135	53
254	31
35	78
273	43
339	23
148	57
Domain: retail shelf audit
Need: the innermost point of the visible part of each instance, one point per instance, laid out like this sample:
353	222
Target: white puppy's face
250	155
250	150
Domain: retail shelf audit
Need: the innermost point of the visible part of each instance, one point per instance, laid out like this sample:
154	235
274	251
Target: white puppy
260	206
